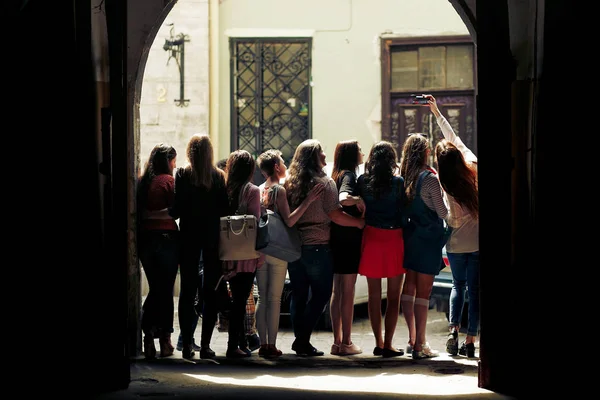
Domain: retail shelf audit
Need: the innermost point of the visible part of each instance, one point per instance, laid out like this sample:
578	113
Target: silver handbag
284	242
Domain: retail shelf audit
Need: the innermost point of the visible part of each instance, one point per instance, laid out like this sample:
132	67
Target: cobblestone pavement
358	377
362	335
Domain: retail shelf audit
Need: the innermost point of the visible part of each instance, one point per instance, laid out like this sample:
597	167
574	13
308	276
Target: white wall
160	119
345	59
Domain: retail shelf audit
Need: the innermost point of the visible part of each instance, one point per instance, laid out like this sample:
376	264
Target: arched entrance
498	18
104	219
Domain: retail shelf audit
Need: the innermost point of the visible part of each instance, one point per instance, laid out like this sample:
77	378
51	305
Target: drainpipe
213	73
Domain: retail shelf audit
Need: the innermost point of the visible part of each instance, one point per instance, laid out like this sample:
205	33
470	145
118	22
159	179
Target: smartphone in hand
420	99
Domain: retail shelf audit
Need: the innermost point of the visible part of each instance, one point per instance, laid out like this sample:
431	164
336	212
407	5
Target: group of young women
405	208
386	223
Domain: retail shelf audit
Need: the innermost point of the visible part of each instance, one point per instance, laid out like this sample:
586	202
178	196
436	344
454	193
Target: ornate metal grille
270	94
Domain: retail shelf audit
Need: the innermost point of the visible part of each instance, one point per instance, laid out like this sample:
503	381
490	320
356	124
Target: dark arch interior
75	238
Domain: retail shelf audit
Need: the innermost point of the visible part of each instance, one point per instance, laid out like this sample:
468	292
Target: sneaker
306	350
246	350
467	350
179	347
452	343
349	349
335	350
253	342
207	353
426	352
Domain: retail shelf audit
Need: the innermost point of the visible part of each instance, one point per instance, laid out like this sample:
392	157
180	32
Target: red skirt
382	253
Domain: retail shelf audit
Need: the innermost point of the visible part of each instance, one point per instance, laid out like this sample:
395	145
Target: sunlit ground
418	384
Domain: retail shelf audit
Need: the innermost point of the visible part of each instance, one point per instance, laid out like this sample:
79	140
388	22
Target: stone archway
144	17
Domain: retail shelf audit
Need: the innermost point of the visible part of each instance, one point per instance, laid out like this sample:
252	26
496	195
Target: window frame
388	44
233	41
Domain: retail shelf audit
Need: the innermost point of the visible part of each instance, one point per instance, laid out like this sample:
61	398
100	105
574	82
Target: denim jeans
159	254
311	278
465	274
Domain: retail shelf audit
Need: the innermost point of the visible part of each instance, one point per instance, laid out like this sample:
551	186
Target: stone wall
161	120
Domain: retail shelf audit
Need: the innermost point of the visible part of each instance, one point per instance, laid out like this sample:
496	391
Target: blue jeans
311	274
465	274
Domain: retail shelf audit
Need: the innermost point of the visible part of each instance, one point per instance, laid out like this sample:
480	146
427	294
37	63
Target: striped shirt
433	195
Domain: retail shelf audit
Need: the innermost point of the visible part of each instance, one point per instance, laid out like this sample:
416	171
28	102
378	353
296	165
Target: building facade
288	71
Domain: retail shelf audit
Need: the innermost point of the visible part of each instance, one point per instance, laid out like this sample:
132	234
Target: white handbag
237	238
237	234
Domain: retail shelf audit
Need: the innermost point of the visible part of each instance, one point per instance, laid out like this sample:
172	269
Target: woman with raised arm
423	240
457	168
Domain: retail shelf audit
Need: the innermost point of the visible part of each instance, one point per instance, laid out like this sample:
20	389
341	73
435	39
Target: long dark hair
414	159
305	166
380	168
345	158
200	156
240	169
456	178
158	163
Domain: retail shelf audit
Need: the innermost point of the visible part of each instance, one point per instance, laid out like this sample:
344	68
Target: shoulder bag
237	235
284	242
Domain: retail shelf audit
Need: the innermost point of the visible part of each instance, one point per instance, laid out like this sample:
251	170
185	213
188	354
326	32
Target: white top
465	232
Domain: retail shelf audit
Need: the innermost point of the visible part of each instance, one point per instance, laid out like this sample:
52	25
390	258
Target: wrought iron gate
270	94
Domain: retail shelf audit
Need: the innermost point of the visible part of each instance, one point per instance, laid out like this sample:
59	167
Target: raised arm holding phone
457	168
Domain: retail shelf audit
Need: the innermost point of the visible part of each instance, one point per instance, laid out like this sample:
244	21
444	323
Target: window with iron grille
270	94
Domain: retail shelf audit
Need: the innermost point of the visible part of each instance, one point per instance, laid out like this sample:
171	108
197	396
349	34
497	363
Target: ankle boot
166	348
149	349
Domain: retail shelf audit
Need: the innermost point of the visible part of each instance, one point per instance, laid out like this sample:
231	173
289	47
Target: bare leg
408	304
335	308
393	308
347	306
374	285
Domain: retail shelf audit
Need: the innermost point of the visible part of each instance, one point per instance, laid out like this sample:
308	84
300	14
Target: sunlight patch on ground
382	383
